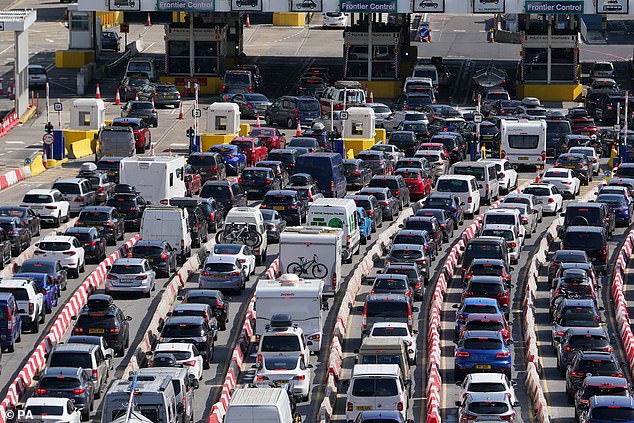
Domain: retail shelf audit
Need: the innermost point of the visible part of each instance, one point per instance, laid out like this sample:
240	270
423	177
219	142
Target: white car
514	241
381	112
391	151
528	216
486	406
335	20
487	382
66	249
547	195
49	204
397	329
239	251
439	162
186	354
507	176
49	409
292	370
564	179
591	155
529	200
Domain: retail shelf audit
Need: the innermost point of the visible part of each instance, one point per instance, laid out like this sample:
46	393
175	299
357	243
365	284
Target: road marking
459	30
14	142
49	40
179	145
8	48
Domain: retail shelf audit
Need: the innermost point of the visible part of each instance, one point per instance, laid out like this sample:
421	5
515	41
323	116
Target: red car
193	182
488	321
584	126
272	137
490	287
252	147
419	184
141	130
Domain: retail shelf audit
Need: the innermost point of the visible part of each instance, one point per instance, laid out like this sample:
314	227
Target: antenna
132	386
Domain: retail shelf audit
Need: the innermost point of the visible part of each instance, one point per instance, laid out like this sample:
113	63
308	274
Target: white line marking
179	145
14	142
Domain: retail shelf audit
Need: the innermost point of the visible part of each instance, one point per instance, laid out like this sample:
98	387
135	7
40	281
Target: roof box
281	321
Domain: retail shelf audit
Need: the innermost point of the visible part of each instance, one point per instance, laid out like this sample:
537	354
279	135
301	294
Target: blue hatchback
609	408
10	321
482	351
365	225
234	160
47	287
474	305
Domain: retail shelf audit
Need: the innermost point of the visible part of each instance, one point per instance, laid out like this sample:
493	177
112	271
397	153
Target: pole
477	140
345	97
618	113
370	18
47	103
132	387
59	116
332	116
625	125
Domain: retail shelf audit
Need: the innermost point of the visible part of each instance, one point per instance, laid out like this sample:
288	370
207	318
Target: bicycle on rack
235	233
318	270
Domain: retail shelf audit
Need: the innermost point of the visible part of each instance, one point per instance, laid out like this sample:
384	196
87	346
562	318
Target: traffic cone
136	96
1	86
257	121
248	22
299	129
491	36
181	115
117	99
371	97
148	22
44	158
152	149
98	93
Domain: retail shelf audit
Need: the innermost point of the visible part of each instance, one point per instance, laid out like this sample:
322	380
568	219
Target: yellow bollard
483	152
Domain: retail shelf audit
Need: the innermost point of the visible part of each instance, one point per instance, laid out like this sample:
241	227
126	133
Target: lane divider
14	176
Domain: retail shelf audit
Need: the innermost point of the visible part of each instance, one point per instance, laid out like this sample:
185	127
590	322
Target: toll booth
549	63
88	113
359	130
223	124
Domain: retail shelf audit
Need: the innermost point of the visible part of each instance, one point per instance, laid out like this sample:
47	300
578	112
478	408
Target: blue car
609	408
10	321
47	286
365	225
619	205
482	351
474	305
234	160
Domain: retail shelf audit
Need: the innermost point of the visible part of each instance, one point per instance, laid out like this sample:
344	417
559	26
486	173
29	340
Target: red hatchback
584	126
142	135
252	147
418	182
487	321
490	287
272	137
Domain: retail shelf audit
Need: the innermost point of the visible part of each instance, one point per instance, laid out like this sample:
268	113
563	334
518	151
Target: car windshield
583	240
54	246
280	363
126	269
70	359
488	407
94	216
182	330
390	331
452	185
587	342
485	289
489	344
386	309
374	387
280	343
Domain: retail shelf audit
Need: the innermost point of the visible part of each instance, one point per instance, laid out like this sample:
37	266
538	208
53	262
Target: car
193	181
386	283
191	309
490	322
29	218
376	161
56	383
443	200
396	184
417	278
186	355
273	138
365	225
391	151
479	351
275	224
565	256
288	203
411	254
254	148
92	242
599	386
486	406
593	239
357	175
488	267
130	207
278	169
371	206
213	298
307	193
132	275
105	219
584	126
135	86
487	382
387	202
293	370
573	283
490	287
609	408
66	249
257	181
565	180
590	363
291	110
578	163
44	285
419	182
409	135
574	313
251	105
429	224
591	157
546	195
281	338
417	236
38	77
445	221
141	109
99	180
100	341
102	317
580	340
234	161
209	165
311	85
223	272
49	204
514	241
196	219
227	194
437	158
241	252
400	330
473	305
310	144
142	134
615	189
334	20
160	255
191	328
51	267
602	70
619	205
18	234
166	95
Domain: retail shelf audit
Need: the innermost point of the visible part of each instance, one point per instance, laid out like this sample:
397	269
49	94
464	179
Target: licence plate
482	366
279	208
144	117
570	167
282	381
96	331
253	190
363	407
219	276
522	158
150	260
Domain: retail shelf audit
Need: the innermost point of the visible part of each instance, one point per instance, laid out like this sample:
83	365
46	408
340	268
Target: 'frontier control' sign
368	6
554	6
185	5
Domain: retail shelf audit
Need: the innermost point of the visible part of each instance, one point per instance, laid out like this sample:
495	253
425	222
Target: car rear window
37	198
94	216
237	78
44	410
19	294
586	342
219	267
483	250
285	158
126	269
146	251
583	240
308	105
488	407
389	331
485	269
215	191
374	387
254	174
196	160
59	382
280	343
70	359
591	391
142	105
482	344
54	246
484	325
387	309
612	414
480	289
280	363
406	254
409	239
182	330
478	172
537	191
595	366
480	308
390	284
486	387
369	157
452	185
503	233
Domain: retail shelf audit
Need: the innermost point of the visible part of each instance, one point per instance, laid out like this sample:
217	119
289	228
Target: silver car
38	77
131	275
529	217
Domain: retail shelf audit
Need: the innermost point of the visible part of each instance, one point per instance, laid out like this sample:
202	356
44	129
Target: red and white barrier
14	176
620	303
9	122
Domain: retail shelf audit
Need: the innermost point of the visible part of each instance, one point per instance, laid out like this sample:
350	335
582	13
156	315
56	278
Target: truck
301	298
156	178
313	251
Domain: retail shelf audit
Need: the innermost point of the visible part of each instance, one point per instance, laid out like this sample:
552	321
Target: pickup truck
79	193
103	186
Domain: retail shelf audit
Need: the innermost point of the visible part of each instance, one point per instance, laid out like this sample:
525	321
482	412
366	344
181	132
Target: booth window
383	62
178	57
221	123
84	118
357	128
535	64
205	57
80	22
357	62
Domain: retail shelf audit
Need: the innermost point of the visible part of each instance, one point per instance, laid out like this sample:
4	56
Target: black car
228	194
257	181
288	156
141	109
590	363
29	218
579	165
396	184
274	224
445	221
406	140
51	267
160	254
357	175
593	240
110	40
107	221
371	207
426	223
417	279
93	243
251	104
215	299
18	233
198	226
130	207
446	201
209	165
388	203
73	383
287	203
420	130
101	316
590	214
5	249
454	145
208	206
188	329
377	161
278	169
564	256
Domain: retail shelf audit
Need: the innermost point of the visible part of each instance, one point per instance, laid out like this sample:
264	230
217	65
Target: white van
523	142
311	251
154	399
167	223
251	216
412	83
426	71
255	405
301	298
377	387
486	175
157	178
143	66
465	187
338	213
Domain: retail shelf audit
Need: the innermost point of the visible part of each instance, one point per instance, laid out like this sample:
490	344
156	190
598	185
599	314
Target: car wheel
35	326
82	269
57	220
268	120
43	316
290	123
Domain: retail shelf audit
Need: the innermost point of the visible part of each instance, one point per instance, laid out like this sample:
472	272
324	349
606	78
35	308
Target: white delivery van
251	216
301	298
313	252
141	66
523	142
255	405
338	213
154	399
167	223
157	178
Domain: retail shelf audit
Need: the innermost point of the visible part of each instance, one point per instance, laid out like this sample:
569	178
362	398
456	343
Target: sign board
368	6
124	28
196	113
554	7
428	6
617	127
185	5
248	5
477	118
306	5
1	26
58	107
612	7
48	139
488	6
124	5
343	116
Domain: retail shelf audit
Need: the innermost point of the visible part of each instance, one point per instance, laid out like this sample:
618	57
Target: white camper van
338	213
157	178
254	405
313	252
523	142
301	298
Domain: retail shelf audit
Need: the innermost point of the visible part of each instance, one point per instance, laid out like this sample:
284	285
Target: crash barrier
620	303
10	270
79	149
168	298
36	164
14	176
37	360
335	362
9	122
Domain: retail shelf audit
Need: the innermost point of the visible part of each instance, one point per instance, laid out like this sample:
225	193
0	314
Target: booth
223	125
359	129
87	117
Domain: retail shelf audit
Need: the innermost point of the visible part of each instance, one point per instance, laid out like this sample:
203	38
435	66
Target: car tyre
35	326
289	123
43	316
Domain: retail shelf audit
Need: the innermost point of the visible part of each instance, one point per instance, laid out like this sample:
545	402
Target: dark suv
396	184
228	194
287	203
406	141
590	214
191	328
130	207
160	254
93	243
106	219
18	234
289	110
208	206
357	175
208	165
593	240
73	383
489	247
257	181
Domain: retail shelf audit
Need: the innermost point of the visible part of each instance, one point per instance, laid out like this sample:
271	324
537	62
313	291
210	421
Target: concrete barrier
37	165
79	149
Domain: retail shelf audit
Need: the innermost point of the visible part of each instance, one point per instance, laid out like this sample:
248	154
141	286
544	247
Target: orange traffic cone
371	97
44	158
148	22
98	93
257	121
136	96
117	99
299	129
491	36
181	115
248	22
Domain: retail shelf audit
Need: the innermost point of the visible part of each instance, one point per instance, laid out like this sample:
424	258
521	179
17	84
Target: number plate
570	167
253	190
150	260
482	366
96	330
279	208
144	117
363	407
282	382
219	276
522	158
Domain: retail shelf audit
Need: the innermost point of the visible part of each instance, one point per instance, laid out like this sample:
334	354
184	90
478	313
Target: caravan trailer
156	178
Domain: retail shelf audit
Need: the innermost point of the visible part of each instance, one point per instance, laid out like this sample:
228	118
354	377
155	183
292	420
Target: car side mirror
415	309
180	297
601	308
458	404
149	353
510	342
356	351
128	318
455	306
108	267
462	203
516	404
73	318
310	366
96	136
415	331
462	248
194	382
360	308
562	214
180	408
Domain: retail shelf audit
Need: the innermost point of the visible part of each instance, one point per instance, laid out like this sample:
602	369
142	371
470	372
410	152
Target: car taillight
560	333
41	391
543	155
31	308
463	354
332	186
295	113
141	277
164	256
113	330
239	180
190	363
95	373
577	374
182	244
551	200
349	406
400	406
259	358
355	172
503	354
70	253
365	315
300	377
111	276
234	274
78	200
508	418
50	207
502	154
525	220
469	200
269	181
512	244
568	348
604	253
78	391
348	241
78	330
